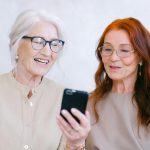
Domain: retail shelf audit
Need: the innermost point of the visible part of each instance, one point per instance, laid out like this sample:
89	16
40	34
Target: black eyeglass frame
49	42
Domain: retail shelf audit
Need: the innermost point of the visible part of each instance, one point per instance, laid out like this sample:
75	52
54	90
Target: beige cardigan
29	123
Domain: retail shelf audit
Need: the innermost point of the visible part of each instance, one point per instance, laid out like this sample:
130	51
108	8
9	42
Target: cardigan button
26	146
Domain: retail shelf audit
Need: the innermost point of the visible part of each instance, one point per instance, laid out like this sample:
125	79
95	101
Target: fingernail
63	111
73	110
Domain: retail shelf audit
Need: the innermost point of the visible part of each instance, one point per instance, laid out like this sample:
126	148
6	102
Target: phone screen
74	99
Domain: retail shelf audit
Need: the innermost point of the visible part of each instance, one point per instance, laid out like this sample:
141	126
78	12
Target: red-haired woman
120	103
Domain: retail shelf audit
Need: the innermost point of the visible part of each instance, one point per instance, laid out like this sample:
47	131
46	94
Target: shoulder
52	91
5	82
52	87
4	78
52	84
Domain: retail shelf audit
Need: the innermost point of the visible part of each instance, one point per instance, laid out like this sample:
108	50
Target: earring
16	58
104	75
140	68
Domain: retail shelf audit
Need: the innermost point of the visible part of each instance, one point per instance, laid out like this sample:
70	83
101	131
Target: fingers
74	132
64	126
84	119
75	125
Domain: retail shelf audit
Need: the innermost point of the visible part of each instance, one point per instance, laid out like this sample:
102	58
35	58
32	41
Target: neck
123	86
27	78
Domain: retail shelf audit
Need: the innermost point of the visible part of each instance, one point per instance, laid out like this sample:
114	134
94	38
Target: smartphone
74	99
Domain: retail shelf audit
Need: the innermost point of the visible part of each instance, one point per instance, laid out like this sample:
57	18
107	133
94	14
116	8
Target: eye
107	49
124	50
56	43
38	41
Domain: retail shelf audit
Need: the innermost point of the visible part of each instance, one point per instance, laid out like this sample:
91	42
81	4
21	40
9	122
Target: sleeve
89	143
62	144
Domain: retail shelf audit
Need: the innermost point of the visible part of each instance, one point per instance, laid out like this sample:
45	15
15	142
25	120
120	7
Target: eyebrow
38	36
107	43
119	44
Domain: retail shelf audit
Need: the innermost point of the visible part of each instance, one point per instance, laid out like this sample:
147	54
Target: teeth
41	60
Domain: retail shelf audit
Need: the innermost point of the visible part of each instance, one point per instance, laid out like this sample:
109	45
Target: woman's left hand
75	132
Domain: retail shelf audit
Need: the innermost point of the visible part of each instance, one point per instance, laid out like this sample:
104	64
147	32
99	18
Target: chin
40	72
115	77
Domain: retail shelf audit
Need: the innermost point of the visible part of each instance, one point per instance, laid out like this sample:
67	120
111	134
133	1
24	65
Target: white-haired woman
29	102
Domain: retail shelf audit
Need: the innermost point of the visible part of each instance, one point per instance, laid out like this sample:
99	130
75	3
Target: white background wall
84	22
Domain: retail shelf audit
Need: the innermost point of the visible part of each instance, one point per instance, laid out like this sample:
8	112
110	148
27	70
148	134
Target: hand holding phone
74	99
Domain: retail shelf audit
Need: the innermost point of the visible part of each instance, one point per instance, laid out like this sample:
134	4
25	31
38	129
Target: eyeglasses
39	43
124	50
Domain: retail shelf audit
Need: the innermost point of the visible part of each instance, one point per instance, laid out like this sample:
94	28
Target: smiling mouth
41	60
114	67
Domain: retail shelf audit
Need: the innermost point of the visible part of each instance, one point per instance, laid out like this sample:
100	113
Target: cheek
54	56
130	65
105	60
25	50
26	54
130	61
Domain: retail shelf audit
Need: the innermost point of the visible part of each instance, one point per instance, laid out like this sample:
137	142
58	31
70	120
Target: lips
43	61
114	67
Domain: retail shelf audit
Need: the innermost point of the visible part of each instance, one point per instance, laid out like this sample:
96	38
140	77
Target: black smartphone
74	99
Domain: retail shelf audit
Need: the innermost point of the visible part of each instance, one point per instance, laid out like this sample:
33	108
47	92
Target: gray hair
24	23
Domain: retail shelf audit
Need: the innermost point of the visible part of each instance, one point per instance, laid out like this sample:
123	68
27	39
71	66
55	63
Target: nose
46	50
114	56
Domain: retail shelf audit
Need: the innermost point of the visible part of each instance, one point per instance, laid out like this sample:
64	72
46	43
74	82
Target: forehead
117	37
44	29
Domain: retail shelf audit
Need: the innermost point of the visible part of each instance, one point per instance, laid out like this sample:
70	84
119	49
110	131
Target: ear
18	46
